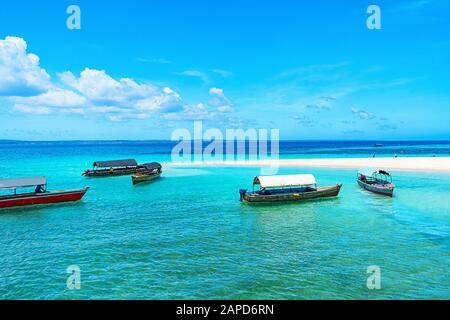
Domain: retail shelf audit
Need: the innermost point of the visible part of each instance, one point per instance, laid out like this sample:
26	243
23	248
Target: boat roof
22	182
152	166
294	180
370	171
115	163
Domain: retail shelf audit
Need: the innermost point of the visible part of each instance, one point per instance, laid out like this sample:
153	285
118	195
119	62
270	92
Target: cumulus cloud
166	101
55	97
20	72
32	110
100	87
31	90
220	101
94	92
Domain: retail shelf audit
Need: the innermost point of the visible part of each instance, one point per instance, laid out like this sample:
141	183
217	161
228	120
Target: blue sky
139	70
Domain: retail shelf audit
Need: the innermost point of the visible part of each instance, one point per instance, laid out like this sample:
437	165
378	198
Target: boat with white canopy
284	188
40	195
376	180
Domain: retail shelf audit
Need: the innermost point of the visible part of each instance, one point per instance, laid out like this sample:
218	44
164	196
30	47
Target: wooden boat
377	181
287	188
39	196
114	168
152	172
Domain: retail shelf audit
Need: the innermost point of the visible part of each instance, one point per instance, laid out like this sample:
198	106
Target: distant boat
39	196
288	188
378	145
114	168
152	171
377	181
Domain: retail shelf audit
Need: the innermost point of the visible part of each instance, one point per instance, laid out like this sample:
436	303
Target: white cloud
109	109
220	101
125	96
128	116
93	92
100	87
409	6
195	74
321	72
363	114
167	101
20	73
194	112
55	98
32	110
156	60
322	103
222	73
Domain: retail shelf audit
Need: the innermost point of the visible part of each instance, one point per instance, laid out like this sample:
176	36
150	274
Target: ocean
187	236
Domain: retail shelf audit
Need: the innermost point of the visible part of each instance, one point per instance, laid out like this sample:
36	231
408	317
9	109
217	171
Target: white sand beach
426	164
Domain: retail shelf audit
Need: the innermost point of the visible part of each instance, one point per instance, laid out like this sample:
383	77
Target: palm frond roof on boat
152	166
115	163
294	180
22	182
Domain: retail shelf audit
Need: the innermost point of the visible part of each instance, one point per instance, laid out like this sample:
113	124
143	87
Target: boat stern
242	193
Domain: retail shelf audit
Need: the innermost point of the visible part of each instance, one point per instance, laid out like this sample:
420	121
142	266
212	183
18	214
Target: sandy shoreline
427	164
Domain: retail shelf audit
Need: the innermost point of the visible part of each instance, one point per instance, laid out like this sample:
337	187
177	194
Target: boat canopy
368	172
22	182
295	180
152	166
115	163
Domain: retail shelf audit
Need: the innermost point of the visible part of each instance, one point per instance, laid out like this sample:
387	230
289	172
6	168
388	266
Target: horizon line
281	140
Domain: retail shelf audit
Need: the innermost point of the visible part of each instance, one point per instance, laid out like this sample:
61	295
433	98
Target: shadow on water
397	209
150	182
289	203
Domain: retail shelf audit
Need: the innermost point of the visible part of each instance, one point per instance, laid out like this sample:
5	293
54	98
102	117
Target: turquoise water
187	235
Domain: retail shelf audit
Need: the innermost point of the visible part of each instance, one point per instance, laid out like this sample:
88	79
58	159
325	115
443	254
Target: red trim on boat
43	198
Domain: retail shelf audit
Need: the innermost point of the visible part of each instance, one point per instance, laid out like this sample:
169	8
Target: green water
187	236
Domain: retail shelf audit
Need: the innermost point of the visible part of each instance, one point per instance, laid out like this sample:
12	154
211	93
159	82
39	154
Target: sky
139	70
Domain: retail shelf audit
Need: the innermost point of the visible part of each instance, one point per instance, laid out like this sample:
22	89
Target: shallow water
188	236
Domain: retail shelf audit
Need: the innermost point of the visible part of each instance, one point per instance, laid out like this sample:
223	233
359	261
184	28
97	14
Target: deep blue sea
187	236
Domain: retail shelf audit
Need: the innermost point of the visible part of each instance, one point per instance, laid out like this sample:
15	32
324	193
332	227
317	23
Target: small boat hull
382	189
112	173
140	178
321	192
31	199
